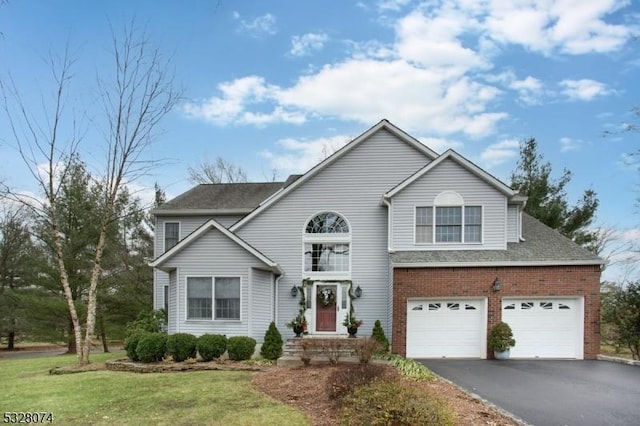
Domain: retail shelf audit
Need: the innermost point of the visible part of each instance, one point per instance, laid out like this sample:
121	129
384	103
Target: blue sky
273	85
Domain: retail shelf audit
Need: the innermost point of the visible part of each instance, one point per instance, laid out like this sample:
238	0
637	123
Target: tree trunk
11	340
103	334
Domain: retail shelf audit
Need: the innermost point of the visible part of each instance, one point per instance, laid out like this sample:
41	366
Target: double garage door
456	328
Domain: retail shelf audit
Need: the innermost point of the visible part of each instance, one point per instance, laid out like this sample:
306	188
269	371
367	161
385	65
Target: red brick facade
516	281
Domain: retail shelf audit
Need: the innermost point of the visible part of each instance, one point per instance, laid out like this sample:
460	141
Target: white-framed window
448	224
216	298
171	234
327	244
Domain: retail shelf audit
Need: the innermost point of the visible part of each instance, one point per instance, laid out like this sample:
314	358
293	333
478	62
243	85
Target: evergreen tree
547	197
378	335
272	345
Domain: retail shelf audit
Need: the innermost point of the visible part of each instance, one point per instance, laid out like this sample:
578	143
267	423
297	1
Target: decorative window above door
327	244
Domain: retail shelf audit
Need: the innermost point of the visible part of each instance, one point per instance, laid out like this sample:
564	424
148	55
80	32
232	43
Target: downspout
387	202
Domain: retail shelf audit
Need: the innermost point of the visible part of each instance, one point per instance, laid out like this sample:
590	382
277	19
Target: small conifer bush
211	346
181	346
378	335
241	347
272	345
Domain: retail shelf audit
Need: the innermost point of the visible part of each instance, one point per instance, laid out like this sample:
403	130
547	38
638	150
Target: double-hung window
213	298
171	234
448	224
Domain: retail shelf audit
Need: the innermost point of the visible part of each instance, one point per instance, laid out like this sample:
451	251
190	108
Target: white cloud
434	77
569	144
305	44
570	26
584	90
298	156
440	145
394	5
259	26
499	152
236	99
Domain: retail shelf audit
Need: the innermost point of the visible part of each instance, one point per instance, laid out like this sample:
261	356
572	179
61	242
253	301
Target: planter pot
298	330
501	355
352	331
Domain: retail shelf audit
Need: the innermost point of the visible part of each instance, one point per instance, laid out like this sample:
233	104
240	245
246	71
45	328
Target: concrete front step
342	346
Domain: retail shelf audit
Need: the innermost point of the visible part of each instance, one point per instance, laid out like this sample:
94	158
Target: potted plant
298	324
352	324
501	340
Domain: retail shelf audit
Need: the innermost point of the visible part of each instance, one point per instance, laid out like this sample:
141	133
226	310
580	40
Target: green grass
106	397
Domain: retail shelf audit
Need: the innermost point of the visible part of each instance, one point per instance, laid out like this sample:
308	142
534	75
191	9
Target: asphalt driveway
551	392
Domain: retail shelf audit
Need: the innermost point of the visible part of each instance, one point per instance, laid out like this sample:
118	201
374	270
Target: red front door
326	305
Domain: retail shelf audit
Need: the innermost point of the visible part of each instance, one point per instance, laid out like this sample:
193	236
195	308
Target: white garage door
545	328
446	328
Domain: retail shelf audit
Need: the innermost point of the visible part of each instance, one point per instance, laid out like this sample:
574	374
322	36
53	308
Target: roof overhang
201	212
409	265
160	262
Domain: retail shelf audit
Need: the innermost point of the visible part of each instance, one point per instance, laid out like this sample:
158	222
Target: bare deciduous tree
140	94
220	171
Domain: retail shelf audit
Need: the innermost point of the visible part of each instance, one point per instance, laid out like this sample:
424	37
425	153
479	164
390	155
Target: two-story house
431	245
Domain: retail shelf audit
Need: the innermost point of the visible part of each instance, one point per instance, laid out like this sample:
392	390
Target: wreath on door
326	297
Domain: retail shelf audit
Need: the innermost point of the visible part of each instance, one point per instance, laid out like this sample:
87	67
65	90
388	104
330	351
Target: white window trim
433	226
164	232
338	238
213	299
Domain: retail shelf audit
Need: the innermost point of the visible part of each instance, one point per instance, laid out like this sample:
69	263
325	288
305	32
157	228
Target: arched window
327	243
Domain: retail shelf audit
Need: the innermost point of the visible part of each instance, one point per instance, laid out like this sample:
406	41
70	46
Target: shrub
272	345
378	335
344	380
366	348
211	346
501	337
152	347
131	345
392	402
149	321
241	347
181	346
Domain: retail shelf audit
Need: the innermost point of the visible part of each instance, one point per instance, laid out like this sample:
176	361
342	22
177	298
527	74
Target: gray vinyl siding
449	176
261	303
513	213
213	255
188	224
352	186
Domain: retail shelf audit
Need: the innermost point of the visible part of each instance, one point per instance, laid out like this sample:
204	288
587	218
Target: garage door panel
446	328
544	328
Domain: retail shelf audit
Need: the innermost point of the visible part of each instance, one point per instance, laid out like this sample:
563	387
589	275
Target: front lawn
106	397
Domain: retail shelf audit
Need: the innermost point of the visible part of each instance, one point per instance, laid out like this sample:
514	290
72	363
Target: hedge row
153	347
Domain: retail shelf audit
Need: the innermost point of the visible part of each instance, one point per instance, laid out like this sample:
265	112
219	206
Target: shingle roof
227	197
542	245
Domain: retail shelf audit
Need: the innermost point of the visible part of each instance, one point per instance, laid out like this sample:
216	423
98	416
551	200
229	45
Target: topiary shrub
211	346
378	335
182	346
272	345
390	402
131	345
152	347
501	337
241	347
